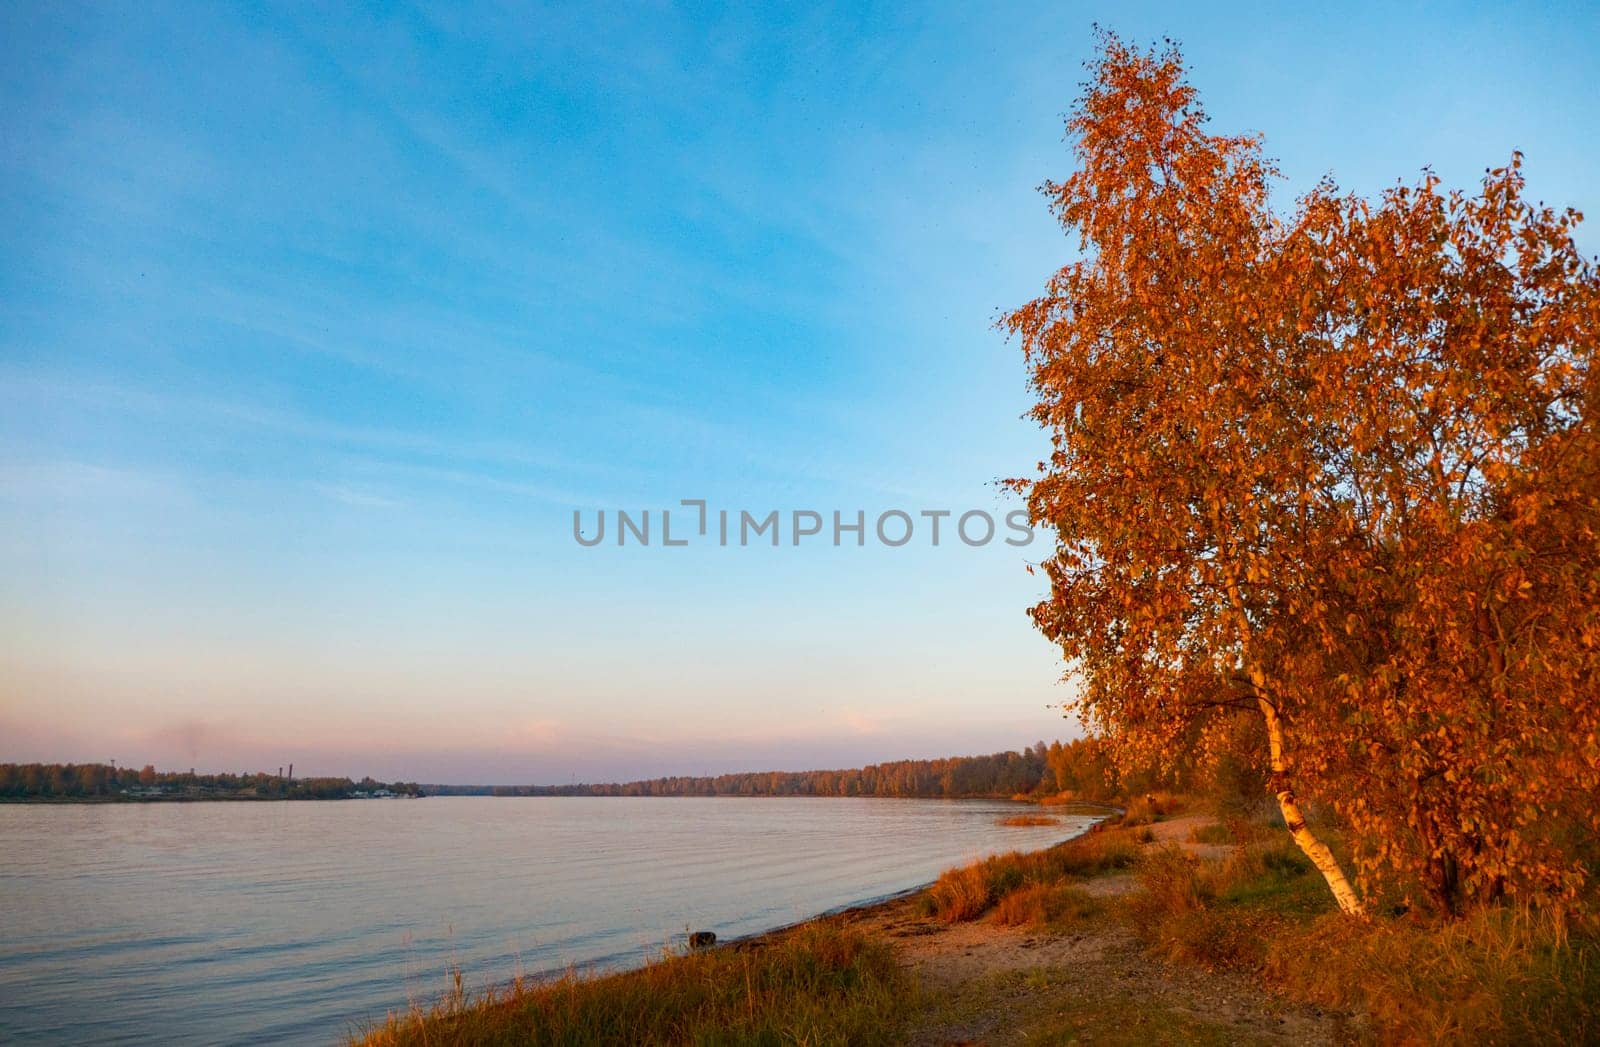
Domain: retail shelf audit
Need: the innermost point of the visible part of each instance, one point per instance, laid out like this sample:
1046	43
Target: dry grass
1503	975
1057	906
967	892
820	984
1236	832
1152	807
1071	803
970	891
1176	911
1508	975
1172	881
1029	820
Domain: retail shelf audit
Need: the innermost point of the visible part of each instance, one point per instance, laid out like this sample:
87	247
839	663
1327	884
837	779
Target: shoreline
604	967
980	981
867	908
1162	926
937	979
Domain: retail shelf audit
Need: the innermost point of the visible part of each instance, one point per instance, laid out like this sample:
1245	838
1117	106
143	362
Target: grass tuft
819	984
971	890
1055	906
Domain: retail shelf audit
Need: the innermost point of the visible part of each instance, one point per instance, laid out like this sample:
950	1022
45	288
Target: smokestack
280	770
291	772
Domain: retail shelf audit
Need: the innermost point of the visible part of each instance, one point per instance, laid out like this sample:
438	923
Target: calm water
294	922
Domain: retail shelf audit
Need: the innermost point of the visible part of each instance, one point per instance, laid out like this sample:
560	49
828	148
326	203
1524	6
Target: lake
294	922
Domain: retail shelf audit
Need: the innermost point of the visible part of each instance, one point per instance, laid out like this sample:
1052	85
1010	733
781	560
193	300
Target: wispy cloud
359	499
63	480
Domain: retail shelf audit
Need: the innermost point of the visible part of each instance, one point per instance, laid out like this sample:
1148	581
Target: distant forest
1078	766
86	782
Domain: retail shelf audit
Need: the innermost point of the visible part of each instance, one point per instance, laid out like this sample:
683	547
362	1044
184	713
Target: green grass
820	984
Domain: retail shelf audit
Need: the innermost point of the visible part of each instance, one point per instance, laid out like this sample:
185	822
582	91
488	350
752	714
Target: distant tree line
1079	766
1082	768
100	781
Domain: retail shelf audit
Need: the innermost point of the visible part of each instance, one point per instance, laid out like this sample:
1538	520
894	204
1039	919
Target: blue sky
317	322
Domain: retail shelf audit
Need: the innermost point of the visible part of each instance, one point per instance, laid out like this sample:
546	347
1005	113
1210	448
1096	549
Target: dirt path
987	984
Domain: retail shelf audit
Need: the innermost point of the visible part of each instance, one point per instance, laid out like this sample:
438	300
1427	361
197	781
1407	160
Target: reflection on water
294	922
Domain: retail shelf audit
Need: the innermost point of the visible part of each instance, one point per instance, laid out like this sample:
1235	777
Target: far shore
66	800
1075	807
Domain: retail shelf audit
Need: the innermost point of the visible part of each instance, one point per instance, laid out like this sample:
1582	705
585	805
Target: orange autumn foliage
1338	467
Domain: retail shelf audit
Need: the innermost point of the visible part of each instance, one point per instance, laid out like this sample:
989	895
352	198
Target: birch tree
1336	468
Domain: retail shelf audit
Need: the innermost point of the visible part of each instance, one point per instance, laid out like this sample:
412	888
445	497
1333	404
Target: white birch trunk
1314	849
